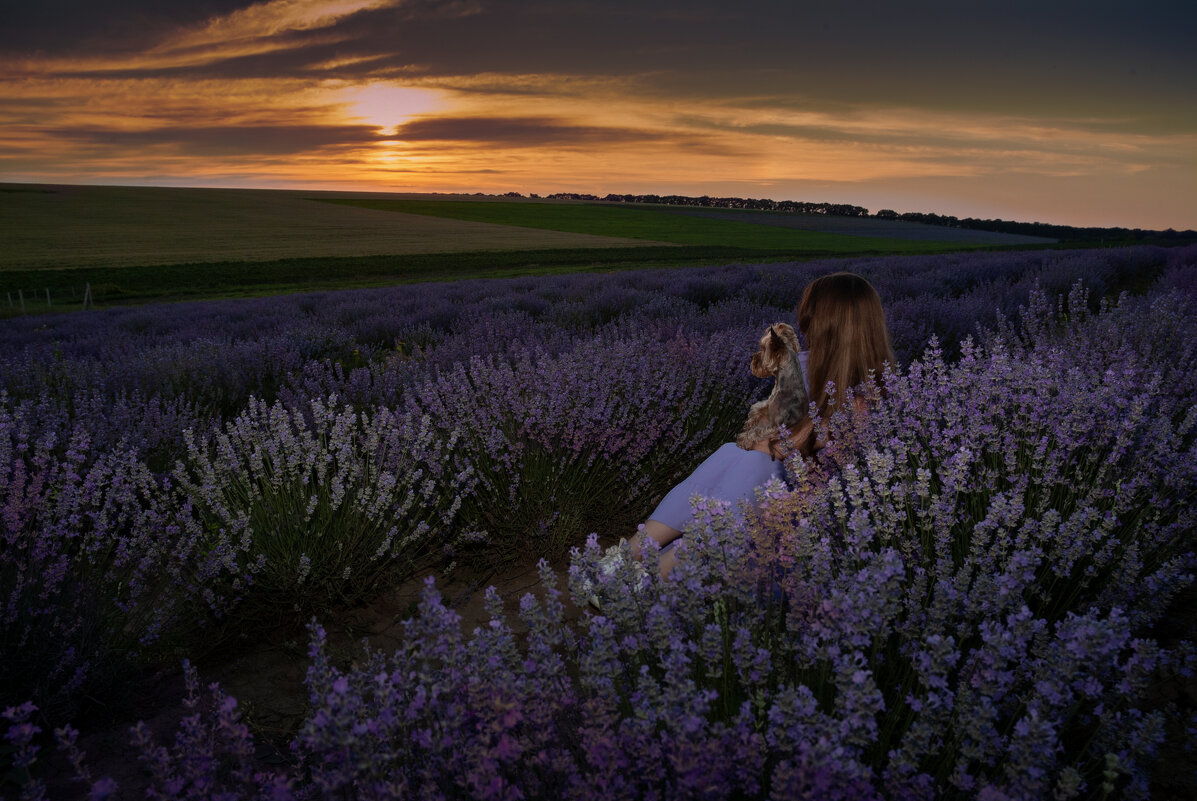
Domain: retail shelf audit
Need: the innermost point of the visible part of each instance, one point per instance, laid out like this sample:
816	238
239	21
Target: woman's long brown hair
841	318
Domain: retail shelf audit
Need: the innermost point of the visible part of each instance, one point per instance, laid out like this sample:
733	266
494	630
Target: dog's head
777	344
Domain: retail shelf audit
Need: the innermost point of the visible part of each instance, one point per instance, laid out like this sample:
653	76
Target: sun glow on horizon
312	109
387	105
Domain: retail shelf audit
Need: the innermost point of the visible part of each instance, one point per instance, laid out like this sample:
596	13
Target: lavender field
974	593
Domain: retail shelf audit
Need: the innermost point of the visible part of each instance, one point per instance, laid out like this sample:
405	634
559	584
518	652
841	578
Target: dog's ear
775	341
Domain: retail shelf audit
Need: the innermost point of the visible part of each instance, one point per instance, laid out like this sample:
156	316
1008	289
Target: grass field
146	244
865	226
109	226
656	224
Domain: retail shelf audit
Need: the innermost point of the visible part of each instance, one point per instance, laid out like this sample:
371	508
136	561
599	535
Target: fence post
10	300
87	296
48	304
21	295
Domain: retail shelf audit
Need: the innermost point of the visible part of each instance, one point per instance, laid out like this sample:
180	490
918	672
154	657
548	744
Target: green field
149	244
655	224
110	226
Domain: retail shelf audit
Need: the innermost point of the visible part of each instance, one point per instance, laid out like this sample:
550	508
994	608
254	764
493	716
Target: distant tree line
1068	232
756	204
1062	232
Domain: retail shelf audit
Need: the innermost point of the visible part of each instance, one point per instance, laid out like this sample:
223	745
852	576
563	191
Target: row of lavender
143	375
222	463
954	601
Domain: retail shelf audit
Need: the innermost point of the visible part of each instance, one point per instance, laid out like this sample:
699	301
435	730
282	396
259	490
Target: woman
841	318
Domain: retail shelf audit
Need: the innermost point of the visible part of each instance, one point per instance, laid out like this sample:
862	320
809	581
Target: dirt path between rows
268	679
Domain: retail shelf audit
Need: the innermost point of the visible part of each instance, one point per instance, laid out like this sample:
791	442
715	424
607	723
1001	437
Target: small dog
787	403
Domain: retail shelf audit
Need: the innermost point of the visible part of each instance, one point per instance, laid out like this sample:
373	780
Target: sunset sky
1081	113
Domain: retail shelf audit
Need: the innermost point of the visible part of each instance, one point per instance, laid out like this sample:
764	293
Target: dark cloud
63	27
1017	54
853	42
264	140
942	146
518	132
1073	58
300	54
8	103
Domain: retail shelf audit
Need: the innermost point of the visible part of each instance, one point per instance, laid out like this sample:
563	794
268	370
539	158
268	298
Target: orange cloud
253	30
359	116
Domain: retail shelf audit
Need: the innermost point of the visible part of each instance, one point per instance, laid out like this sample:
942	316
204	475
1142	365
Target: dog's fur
787	403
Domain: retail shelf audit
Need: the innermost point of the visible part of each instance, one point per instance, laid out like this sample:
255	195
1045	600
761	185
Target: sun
387	105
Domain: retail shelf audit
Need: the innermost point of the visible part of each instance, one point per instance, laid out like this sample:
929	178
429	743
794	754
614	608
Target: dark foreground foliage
961	598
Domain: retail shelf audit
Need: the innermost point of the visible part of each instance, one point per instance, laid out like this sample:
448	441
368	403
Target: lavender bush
212	755
943	606
956	599
88	561
301	510
1021	501
563	444
215	355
